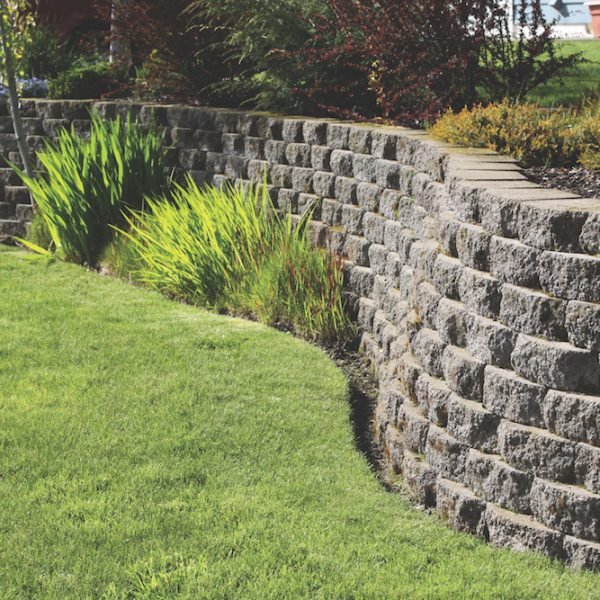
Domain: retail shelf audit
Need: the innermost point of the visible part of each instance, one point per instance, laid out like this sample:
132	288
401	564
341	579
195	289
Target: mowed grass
153	450
575	86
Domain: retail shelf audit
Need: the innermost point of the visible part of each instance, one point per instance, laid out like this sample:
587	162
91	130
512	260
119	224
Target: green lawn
573	87
153	450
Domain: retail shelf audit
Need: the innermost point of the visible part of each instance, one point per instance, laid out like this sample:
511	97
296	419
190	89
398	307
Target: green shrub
228	249
87	183
532	135
84	81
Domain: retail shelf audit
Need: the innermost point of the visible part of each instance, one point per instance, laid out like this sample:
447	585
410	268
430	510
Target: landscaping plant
87	184
228	249
408	64
532	135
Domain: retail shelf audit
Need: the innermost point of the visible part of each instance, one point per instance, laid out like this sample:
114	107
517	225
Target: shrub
532	135
409	64
84	81
228	249
87	183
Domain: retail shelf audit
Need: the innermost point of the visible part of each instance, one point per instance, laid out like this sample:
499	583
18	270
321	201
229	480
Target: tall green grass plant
86	183
228	249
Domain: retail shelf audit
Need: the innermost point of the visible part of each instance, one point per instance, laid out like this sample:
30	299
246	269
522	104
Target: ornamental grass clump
87	183
229	250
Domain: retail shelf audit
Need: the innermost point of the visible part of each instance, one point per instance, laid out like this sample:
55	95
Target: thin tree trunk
13	95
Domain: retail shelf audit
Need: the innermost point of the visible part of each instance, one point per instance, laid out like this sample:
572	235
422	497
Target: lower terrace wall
476	291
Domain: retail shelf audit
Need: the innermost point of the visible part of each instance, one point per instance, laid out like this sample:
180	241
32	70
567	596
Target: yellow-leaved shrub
533	135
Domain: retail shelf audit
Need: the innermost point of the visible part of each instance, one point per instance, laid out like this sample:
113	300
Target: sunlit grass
153	450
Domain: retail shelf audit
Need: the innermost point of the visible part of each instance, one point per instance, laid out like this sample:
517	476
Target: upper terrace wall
477	292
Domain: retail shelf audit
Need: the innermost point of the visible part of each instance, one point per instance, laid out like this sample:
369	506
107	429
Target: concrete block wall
476	291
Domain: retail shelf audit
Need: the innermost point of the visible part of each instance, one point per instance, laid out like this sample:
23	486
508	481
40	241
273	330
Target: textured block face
495	481
509	530
583	325
511	261
512	397
556	364
536	451
570	276
533	312
463	373
566	508
470	423
460	507
573	416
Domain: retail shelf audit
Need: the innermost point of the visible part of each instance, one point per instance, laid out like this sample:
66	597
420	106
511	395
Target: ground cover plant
154	450
86	184
533	135
228	249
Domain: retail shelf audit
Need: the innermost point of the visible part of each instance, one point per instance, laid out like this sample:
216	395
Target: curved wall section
477	294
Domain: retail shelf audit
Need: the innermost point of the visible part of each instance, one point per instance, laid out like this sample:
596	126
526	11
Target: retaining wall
477	292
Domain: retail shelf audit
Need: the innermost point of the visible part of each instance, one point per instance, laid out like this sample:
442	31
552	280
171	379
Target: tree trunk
13	95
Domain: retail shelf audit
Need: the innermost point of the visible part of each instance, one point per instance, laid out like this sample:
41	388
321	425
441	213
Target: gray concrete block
452	322
292	131
583	325
480	292
573	416
512	397
428	347
298	155
281	176
368	195
413	427
448	275
496	481
446	455
521	533
490	342
302	180
571	276
533	312
511	261
459	506
374	227
364	168
275	151
589	240
389	203
315	133
537	451
359	140
320	158
463	373
338	136
432	396
345	189
566	508
324	184
331	212
582	554
419	477
587	467
356	249
473	246
352	219
557	365
341	163
470	423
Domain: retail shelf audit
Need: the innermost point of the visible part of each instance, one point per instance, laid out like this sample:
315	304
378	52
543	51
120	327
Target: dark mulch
579	181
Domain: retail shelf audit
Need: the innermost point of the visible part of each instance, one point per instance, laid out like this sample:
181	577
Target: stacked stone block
476	291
